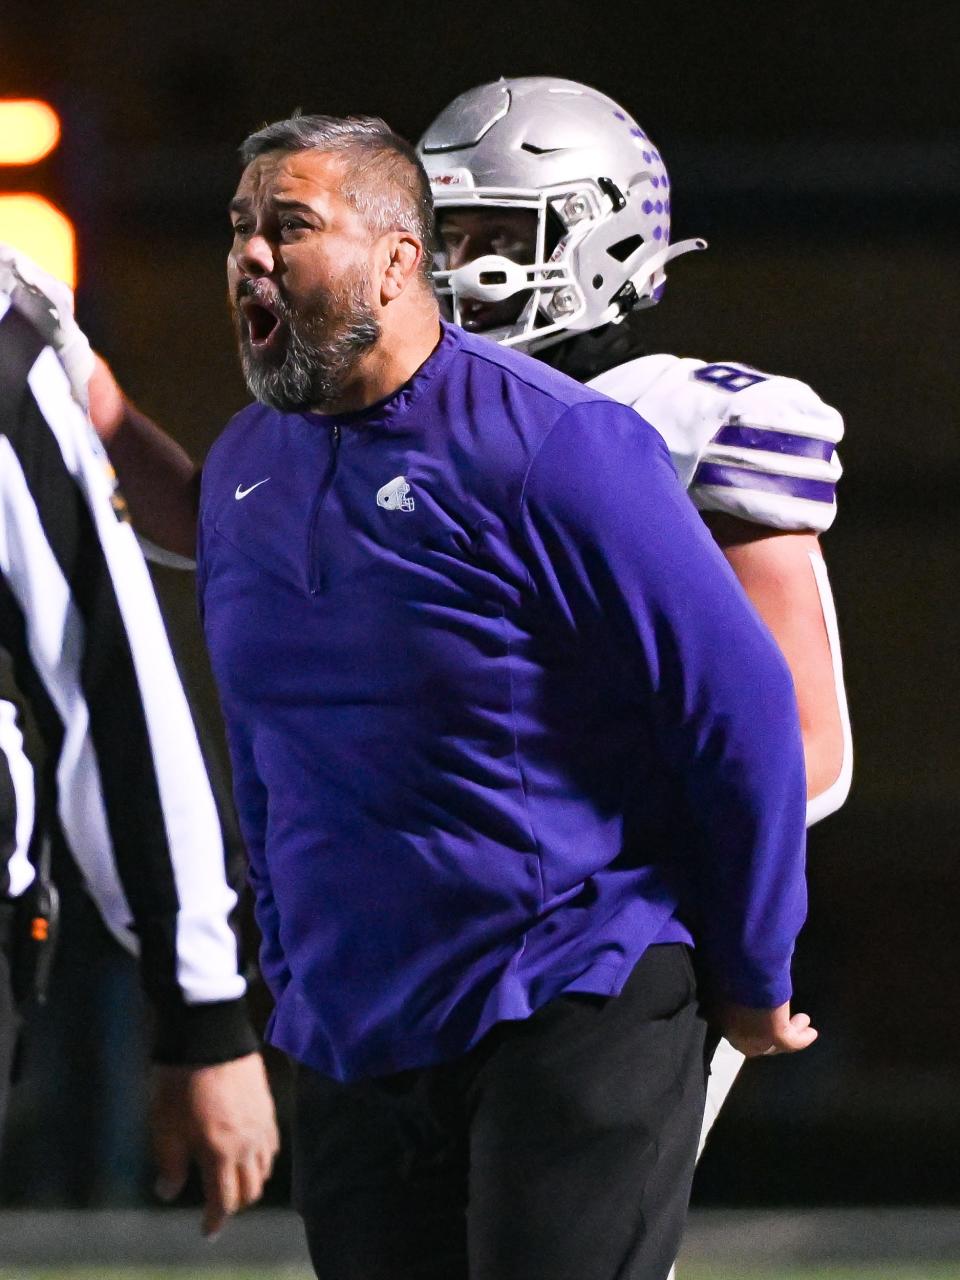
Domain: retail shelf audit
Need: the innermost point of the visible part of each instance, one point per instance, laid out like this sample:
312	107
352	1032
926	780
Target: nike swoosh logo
242	493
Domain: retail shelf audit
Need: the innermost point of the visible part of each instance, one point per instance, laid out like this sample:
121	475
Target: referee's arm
134	798
133	795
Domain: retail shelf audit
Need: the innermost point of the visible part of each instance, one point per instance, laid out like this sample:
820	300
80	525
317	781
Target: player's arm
765	483
784	575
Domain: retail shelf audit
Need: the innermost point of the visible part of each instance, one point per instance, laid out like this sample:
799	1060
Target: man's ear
404	255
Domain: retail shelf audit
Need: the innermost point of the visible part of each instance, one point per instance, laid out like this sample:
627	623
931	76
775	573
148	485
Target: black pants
560	1148
9	1018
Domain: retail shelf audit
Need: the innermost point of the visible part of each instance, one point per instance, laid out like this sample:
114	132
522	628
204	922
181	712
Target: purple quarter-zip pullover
500	715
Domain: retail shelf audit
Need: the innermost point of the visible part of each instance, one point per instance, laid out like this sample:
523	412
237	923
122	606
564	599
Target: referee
123	775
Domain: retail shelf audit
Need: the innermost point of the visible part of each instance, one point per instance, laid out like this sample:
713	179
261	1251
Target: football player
553	219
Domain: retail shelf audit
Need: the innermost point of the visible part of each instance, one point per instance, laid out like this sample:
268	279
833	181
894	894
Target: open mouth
478	316
263	324
473	312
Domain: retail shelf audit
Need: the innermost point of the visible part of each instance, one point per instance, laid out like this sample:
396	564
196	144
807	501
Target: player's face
299	277
466	234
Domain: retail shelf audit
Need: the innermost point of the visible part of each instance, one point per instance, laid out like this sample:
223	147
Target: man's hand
759	1033
222	1116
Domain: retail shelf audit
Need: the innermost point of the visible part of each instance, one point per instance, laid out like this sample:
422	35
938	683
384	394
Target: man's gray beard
323	348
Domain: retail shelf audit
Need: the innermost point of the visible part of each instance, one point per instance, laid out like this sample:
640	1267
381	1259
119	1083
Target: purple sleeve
624	563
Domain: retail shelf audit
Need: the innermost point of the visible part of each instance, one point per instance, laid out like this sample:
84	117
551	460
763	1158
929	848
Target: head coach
509	746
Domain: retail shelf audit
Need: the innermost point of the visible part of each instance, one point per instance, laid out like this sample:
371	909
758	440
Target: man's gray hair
383	177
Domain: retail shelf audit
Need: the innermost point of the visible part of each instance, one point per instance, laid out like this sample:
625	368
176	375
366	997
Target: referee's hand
759	1033
222	1116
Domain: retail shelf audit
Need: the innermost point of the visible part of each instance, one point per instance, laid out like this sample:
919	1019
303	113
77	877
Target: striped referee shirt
81	632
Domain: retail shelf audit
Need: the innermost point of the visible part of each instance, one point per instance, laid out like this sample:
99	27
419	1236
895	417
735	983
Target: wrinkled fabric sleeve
624	565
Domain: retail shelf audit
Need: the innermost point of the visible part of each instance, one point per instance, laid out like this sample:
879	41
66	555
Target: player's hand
760	1033
48	304
221	1116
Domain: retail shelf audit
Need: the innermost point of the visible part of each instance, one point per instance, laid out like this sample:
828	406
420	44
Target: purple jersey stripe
742	478
774	441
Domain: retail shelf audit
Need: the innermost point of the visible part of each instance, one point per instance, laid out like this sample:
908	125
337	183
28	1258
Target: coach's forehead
305	176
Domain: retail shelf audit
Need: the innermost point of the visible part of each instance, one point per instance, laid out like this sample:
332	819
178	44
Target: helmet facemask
546	291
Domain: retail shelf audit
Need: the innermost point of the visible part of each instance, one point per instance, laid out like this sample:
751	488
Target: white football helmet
599	189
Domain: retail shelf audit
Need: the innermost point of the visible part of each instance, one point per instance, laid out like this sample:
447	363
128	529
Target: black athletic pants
9	1018
560	1148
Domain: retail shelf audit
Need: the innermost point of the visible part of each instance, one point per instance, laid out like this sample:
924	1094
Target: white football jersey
755	445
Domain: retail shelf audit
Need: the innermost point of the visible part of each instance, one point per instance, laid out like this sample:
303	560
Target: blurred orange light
29	130
33	224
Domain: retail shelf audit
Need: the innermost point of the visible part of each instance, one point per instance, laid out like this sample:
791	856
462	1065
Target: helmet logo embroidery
393	496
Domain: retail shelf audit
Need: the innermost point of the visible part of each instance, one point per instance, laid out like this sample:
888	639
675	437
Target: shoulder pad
755	445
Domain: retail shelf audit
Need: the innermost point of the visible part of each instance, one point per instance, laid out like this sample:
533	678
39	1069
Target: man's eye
508	245
241	228
292	224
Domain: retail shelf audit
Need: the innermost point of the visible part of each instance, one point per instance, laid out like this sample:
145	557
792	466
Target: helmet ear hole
624	248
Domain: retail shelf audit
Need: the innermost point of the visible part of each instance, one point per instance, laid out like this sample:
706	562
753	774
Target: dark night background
817	148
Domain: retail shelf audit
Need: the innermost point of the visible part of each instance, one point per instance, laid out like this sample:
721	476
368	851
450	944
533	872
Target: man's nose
255	257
